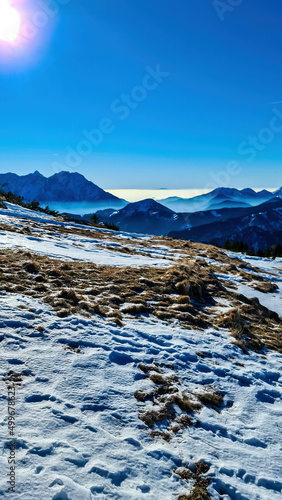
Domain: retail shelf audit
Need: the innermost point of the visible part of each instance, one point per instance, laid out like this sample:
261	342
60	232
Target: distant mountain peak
62	187
147	205
248	191
37	174
224	190
221	197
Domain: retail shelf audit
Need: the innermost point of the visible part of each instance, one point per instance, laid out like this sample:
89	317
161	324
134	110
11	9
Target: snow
272	301
21	212
78	432
64	247
272	270
72	247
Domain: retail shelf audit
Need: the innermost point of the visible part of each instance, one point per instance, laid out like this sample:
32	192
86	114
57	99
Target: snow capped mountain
61	187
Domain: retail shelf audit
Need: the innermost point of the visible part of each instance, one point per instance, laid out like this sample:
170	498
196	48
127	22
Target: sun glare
10	22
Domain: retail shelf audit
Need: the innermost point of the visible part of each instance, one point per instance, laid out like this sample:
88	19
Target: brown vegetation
166	400
201	483
186	292
253	325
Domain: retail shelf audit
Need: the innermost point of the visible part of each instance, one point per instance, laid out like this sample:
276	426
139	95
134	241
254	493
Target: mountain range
63	187
221	197
259	227
66	187
224	213
146	216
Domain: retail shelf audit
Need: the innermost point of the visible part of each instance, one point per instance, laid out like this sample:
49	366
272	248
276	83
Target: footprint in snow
266	396
39	398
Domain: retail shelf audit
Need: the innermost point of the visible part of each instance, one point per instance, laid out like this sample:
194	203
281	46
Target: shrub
112	226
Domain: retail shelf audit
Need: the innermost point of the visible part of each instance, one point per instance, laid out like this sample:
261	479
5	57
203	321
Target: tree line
35	205
239	246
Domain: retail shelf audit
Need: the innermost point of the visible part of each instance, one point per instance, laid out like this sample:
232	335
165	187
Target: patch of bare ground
187	292
126	250
203	251
252	325
179	292
2	205
265	287
169	410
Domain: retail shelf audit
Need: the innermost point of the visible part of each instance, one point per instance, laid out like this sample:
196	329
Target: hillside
144	367
259	227
146	216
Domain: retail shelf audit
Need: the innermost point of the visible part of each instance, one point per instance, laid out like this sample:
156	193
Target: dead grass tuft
148	368
70	296
164	413
183	287
252	325
266	287
31	267
201	484
184	403
161	434
213	398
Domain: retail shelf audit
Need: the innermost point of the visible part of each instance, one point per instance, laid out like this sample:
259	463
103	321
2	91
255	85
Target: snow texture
77	427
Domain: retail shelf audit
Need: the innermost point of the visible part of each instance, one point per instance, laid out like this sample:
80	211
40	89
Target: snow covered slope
144	368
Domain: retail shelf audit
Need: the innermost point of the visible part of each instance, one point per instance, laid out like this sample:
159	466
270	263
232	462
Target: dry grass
253	326
90	289
2	205
212	398
201	484
185	293
266	287
169	410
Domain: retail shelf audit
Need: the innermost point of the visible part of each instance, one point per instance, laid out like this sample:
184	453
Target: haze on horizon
175	95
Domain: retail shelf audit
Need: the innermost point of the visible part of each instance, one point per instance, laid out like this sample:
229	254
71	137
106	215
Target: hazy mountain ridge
221	197
260	227
224	213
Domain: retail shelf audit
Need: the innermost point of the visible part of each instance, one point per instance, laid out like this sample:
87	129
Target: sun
10	22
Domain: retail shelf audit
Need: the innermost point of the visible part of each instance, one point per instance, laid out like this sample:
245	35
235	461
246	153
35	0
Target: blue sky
221	78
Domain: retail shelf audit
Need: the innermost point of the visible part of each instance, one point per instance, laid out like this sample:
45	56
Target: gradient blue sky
223	78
